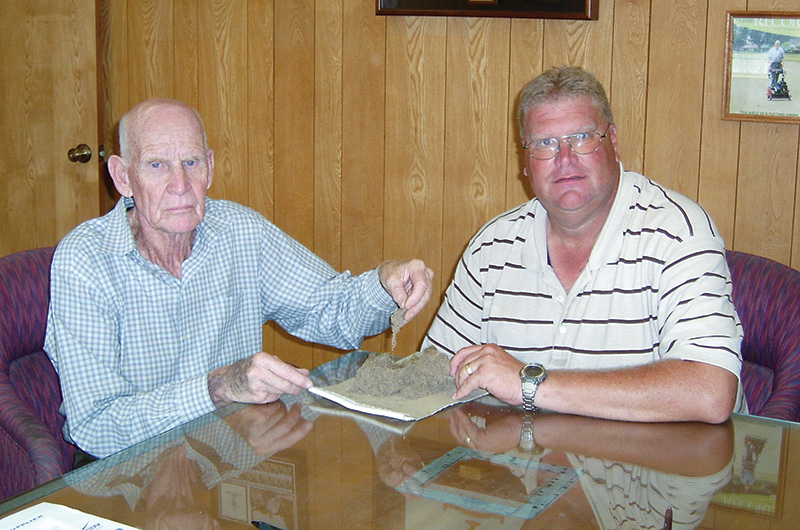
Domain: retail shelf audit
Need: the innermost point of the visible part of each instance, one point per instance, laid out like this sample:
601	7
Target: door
48	84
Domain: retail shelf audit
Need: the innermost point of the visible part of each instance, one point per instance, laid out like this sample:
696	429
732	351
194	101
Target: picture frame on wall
762	67
557	9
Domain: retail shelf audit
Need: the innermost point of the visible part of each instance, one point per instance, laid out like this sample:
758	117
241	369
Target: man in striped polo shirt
607	295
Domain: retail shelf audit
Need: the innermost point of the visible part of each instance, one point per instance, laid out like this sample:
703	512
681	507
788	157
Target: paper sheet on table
391	406
47	516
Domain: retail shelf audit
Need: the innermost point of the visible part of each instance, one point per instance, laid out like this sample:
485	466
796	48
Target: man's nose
179	181
565	153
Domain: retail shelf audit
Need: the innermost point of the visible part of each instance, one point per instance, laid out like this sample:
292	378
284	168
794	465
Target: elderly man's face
572	186
169	170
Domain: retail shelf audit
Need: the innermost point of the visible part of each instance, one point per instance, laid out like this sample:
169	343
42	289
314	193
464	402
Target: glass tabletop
305	462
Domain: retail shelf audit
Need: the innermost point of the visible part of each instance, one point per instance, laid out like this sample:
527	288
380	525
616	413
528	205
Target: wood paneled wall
370	138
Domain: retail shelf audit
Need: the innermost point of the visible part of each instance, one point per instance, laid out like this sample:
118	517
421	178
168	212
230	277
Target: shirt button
560	298
562	329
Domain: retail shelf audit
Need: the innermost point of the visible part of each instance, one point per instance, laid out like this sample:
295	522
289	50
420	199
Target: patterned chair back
767	298
32	449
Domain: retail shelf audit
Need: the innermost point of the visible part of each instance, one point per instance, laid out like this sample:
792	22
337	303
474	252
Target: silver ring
468	369
467	440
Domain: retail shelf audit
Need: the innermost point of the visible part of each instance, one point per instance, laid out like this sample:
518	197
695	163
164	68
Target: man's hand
262	378
489	367
397	461
409	284
270	428
486	428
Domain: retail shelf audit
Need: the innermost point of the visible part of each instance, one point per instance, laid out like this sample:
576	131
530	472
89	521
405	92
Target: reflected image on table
469	479
267	493
755	485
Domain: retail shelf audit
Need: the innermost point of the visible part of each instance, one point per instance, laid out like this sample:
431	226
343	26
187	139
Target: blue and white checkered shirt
133	344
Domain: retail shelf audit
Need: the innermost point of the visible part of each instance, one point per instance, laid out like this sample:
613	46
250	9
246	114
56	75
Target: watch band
528	397
526	441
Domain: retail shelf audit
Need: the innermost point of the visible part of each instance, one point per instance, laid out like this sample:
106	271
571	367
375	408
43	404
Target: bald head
138	121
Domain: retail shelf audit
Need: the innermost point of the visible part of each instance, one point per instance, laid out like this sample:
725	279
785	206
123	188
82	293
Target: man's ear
612	131
119	174
210	162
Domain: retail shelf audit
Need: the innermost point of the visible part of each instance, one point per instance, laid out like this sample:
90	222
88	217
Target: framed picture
759	461
470	480
271	492
564	9
762	67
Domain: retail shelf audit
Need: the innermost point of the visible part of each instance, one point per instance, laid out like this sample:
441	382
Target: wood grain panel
525	63
328	131
363	125
328	141
260	107
115	97
150	47
475	130
187	53
765	176
415	111
73	89
49	90
294	139
783	5
719	144
674	102
581	43
222	101
23	193
260	111
627	91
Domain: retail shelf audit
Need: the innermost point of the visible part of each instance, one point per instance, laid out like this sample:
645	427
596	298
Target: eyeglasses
584	143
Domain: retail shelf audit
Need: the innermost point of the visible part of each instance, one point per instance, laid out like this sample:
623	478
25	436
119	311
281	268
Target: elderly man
157	307
607	295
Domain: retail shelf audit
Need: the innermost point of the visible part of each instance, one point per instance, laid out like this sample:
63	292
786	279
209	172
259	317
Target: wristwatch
527	443
532	376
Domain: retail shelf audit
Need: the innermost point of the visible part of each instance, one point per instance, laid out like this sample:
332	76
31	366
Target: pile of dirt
423	374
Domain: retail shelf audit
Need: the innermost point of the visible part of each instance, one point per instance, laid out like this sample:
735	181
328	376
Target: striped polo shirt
656	286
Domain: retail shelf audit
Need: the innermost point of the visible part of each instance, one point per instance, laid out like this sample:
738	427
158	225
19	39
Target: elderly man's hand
270	428
409	284
261	378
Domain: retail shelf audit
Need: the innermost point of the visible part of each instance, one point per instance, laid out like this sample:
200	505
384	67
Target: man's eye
544	142
156	165
581	137
190	163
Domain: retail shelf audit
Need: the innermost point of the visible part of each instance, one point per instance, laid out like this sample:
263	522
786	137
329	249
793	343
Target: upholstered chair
32	449
767	297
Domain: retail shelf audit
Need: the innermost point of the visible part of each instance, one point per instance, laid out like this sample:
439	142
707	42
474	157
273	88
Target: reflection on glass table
306	462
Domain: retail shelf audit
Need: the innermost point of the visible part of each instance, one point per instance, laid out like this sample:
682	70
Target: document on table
47	516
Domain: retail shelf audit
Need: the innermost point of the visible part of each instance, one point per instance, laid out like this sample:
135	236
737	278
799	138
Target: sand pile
419	375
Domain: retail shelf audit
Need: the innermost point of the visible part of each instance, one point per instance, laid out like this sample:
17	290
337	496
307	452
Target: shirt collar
119	237
608	247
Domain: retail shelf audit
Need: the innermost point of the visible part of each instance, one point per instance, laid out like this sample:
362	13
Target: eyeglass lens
580	143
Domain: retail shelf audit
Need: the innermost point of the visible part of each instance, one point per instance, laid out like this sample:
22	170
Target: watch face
533	370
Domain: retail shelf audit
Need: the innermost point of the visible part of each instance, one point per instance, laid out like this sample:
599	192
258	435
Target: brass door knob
82	153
